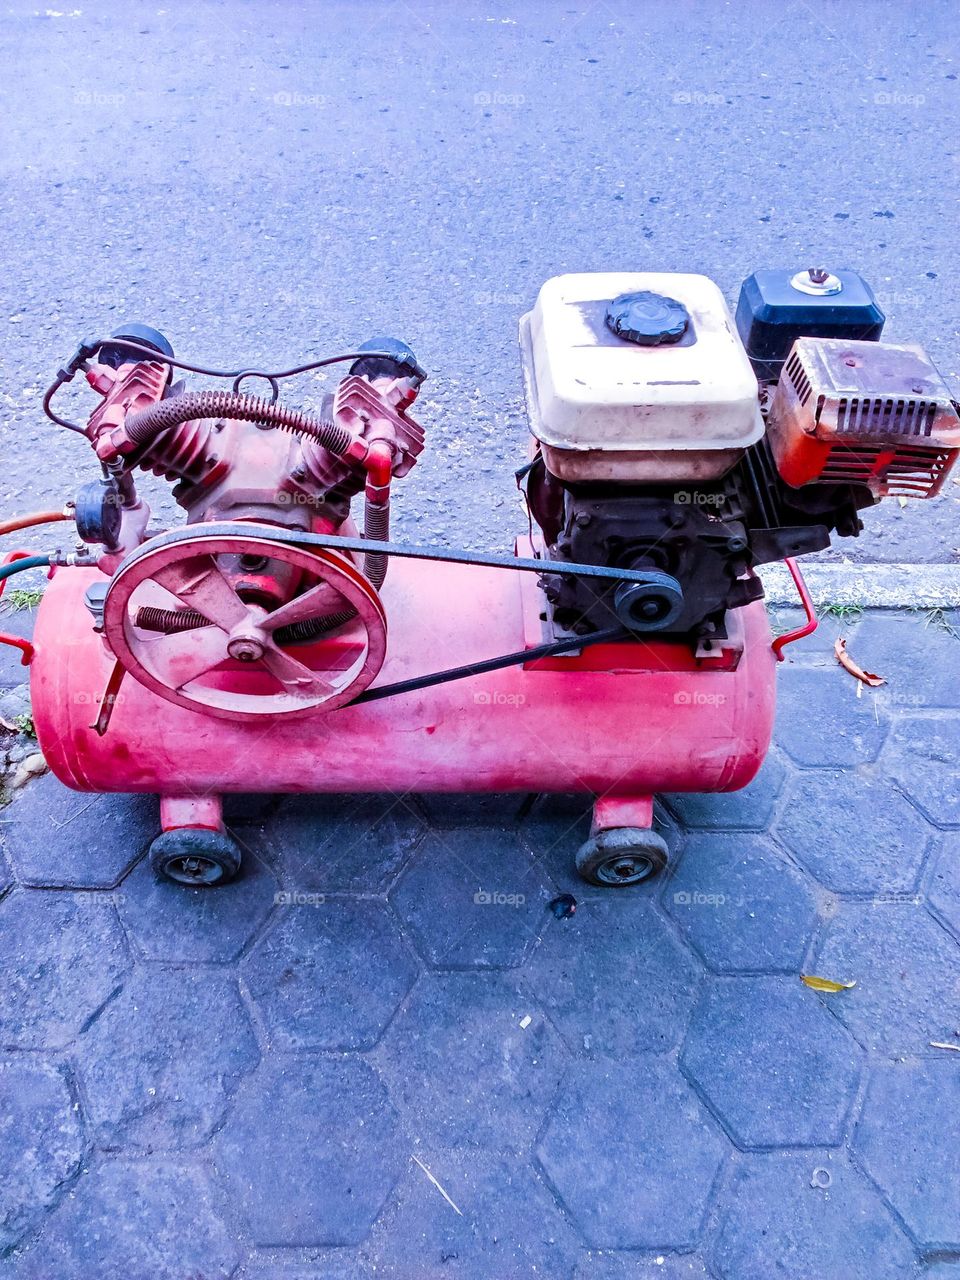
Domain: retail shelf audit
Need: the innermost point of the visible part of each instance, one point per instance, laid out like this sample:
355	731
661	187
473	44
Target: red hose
35	517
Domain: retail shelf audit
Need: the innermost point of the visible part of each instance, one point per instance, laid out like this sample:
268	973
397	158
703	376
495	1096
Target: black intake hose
144	427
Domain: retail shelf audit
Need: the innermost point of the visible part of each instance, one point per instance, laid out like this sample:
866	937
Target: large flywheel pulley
215	623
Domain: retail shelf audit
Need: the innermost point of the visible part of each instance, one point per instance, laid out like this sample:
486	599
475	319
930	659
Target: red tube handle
811	623
25	647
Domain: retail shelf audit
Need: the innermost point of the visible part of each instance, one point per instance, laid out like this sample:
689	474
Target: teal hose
18	566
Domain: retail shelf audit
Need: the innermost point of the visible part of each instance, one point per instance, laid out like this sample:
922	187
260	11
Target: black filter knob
396	360
650	319
145	335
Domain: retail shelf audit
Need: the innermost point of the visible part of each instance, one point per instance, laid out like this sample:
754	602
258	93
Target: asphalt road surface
267	182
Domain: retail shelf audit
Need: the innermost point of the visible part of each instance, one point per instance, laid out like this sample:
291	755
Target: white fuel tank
605	407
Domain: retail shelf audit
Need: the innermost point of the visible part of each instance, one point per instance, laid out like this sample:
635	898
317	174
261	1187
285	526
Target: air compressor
622	648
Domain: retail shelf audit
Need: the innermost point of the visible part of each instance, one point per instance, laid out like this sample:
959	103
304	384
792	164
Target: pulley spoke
178	659
297	678
205	589
320	599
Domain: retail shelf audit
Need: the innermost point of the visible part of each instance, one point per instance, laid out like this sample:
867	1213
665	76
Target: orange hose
35	517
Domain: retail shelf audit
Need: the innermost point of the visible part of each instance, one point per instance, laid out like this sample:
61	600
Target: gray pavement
344	1064
268	180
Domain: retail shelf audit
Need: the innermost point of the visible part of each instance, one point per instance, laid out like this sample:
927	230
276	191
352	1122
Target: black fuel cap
649	319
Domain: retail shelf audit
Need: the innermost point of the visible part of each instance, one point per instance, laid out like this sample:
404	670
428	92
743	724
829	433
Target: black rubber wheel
622	856
195	856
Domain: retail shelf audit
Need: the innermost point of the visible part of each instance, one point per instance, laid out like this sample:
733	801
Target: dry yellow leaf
848	664
825	984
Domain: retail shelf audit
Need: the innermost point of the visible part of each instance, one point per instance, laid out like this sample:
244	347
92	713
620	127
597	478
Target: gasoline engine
621	650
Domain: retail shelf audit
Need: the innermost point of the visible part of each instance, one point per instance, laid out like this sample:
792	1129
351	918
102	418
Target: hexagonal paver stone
41	1144
771	1061
325	1264
130	1220
855	833
822	722
907	1139
341	844
944	890
161	1062
16	622
472	897
923	754
498	810
810	1214
174	922
471	1215
632	1153
553	830
472	1060
907	970
604	1265
920	661
613	978
750	809
62	956
56	838
312	1148
330	974
741	903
